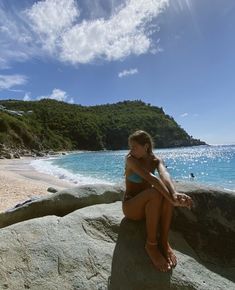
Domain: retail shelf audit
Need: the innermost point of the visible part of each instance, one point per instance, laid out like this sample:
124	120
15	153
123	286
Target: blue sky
175	54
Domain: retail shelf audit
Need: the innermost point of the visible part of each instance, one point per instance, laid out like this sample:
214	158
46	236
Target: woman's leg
147	204
165	222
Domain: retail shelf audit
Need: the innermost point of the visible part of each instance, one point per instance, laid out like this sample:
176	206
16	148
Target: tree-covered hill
50	124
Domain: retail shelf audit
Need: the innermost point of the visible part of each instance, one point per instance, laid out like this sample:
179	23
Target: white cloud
58	95
9	81
51	18
184	115
71	101
54	27
27	97
122	34
17	42
128	72
187	114
16	90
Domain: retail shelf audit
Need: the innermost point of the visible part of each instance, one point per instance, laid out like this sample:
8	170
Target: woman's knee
167	203
155	194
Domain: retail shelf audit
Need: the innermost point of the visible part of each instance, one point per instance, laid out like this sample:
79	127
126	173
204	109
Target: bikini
136	178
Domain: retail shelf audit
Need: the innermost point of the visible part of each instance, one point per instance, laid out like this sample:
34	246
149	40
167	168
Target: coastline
20	181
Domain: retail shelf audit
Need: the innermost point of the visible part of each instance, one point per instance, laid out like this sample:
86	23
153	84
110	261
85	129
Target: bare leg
153	212
147	204
165	222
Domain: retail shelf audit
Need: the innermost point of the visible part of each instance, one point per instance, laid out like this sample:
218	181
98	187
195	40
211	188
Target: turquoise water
212	165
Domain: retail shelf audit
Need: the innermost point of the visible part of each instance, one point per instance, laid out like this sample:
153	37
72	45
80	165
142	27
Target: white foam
45	166
229	189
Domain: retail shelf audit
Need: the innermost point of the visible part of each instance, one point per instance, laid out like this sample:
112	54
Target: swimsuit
134	177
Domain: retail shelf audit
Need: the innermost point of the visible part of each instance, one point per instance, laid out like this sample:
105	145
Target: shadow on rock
131	267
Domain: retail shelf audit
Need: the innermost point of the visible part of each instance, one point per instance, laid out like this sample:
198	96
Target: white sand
19	181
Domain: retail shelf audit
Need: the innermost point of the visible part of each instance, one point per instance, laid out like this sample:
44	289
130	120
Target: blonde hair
142	137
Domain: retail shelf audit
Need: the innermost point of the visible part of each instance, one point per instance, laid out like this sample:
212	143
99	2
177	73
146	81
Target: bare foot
156	257
169	254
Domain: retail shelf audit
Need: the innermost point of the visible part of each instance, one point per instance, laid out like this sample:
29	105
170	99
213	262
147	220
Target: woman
152	198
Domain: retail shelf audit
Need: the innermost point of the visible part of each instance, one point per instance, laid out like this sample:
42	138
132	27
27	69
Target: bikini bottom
127	197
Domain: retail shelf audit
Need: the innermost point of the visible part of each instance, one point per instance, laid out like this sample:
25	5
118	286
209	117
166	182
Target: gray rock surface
95	248
210	226
61	203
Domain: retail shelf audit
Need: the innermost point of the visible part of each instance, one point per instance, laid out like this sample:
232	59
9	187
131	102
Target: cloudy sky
175	54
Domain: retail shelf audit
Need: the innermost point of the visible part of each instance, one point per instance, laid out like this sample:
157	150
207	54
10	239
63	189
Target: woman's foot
156	257
168	253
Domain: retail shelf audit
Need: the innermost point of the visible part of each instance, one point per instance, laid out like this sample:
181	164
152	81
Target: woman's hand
183	200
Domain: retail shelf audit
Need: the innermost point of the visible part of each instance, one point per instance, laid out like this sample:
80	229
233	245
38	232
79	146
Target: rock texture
94	248
7	152
61	203
210	227
83	241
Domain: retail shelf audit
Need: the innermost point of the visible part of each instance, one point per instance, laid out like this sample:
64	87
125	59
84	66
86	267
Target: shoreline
20	181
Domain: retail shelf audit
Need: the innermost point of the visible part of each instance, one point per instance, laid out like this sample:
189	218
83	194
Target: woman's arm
135	165
166	179
165	176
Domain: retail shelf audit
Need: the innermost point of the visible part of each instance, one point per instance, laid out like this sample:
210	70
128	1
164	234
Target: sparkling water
212	165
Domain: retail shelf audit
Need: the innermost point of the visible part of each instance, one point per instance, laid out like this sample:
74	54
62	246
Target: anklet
151	243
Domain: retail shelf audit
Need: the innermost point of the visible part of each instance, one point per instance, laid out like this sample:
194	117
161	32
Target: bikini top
134	177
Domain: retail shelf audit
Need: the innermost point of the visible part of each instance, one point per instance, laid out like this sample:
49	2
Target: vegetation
62	126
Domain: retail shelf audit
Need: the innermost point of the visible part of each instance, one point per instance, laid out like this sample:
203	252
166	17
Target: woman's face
137	150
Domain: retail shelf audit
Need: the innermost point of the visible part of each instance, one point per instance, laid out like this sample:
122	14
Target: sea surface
210	164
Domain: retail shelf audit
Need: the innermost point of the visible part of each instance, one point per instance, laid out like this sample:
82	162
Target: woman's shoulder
128	160
156	160
128	156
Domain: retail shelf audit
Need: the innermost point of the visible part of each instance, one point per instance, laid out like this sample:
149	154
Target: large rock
61	202
209	227
95	248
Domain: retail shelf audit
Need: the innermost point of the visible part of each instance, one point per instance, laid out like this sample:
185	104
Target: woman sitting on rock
152	198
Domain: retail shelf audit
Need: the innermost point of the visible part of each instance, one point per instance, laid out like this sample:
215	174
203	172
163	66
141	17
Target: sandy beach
19	181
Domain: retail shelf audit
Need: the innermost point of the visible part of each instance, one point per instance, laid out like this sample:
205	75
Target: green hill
50	124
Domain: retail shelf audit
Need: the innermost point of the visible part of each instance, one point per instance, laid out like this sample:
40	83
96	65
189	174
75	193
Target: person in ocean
151	198
192	175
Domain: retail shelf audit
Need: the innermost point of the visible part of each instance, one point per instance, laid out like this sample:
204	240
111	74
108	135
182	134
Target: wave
46	166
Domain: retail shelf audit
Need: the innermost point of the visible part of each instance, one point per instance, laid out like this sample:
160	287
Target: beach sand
19	181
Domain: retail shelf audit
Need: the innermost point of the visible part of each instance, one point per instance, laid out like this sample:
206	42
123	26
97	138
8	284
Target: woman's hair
141	137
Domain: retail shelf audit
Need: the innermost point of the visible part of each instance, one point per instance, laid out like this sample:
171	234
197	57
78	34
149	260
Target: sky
174	54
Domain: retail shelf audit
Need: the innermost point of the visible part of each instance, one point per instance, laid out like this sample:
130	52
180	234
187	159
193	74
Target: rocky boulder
209	228
61	203
96	248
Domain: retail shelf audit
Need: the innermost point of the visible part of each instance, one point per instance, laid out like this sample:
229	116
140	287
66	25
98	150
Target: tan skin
153	199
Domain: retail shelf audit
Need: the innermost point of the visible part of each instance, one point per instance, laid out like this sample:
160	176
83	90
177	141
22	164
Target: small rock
16	155
52	189
8	155
40	154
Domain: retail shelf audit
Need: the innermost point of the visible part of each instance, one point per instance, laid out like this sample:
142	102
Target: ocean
210	164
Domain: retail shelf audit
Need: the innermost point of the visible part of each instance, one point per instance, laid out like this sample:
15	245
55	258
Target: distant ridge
55	125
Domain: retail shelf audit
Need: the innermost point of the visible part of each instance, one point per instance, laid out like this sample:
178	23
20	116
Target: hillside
53	125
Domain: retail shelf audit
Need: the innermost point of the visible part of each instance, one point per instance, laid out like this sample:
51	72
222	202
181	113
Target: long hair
142	137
